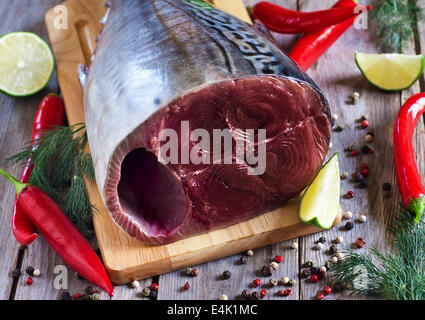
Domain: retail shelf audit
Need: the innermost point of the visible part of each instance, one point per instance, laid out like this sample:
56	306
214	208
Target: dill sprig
397	22
396	275
59	166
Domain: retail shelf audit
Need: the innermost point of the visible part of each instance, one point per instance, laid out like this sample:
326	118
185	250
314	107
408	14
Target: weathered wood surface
335	73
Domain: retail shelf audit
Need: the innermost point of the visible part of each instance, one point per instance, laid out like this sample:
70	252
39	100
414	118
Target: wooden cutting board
125	258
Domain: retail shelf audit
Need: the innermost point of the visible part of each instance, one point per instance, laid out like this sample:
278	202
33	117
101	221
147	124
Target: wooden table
335	73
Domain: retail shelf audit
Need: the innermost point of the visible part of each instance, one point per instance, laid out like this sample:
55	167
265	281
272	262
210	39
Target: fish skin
152	52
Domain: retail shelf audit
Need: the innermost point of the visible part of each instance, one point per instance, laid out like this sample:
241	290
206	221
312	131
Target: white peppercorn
284	280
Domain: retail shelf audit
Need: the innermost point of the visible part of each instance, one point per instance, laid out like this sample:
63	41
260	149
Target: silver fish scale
232	29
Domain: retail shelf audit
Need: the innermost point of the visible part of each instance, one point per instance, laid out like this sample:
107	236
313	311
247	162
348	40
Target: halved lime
320	203
26	64
391	71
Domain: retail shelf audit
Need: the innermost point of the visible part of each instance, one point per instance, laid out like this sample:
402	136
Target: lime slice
320	203
391	71
26	64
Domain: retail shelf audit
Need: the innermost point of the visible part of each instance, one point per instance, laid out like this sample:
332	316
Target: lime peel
26	64
320	203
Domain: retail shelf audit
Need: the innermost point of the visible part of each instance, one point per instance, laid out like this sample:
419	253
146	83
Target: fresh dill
397	22
396	275
59	166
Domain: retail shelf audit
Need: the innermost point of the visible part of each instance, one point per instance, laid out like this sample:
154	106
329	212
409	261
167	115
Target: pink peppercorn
365	172
77	296
186	286
349	194
320	296
256	282
287	292
29	281
354	153
278	259
365	166
360	243
281	293
365	124
314	278
154	287
327	290
263	293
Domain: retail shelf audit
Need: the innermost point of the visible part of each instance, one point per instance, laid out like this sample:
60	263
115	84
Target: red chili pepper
60	233
283	20
311	46
50	113
409	182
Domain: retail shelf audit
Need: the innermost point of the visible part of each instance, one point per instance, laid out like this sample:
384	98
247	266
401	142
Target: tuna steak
163	62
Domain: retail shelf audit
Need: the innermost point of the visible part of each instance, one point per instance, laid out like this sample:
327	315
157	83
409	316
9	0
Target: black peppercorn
227	274
86	296
255	296
308	264
29	270
333	249
267	270
305	273
314	270
90	290
338	287
363	184
246	294
349	225
386	186
358	176
242	260
365	149
65	296
322	240
16	273
153	294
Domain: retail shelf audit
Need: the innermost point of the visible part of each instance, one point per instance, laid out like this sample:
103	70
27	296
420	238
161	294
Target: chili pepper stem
19	186
417	207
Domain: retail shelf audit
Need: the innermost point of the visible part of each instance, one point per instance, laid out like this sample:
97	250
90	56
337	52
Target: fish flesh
160	64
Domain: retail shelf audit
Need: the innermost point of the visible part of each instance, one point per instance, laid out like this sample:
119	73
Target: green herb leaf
60	164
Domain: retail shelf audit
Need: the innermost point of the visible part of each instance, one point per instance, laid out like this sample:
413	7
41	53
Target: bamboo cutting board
125	258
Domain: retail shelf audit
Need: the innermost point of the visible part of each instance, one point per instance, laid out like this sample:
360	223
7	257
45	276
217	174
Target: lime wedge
391	71
26	64
320	203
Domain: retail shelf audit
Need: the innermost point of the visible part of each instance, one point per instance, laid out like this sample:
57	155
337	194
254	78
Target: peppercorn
224	297
363	184
135	284
322	240
349	225
146	292
365	172
250	253
242	260
90	290
263	293
154	287
255	296
344	175
328	265
308	264
334	259
287	292
364	124
305	273
294	245
366	149
334	116
29	270
363	117
246	293
320	296
267	270
281	293
321	275
36	273
29	281
95	296
284	280
340	127
348	215
188	271
195	273
186	286
362	218
386	186
349	195
360	243
354	153
292	282
368	137
327	290
349	148
153	294
333	249
318	246
227	274
273	282
278	259
323	269
358	176
339	239
274	265
77	296
16	273
65	296
314	278
256	282
314	270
